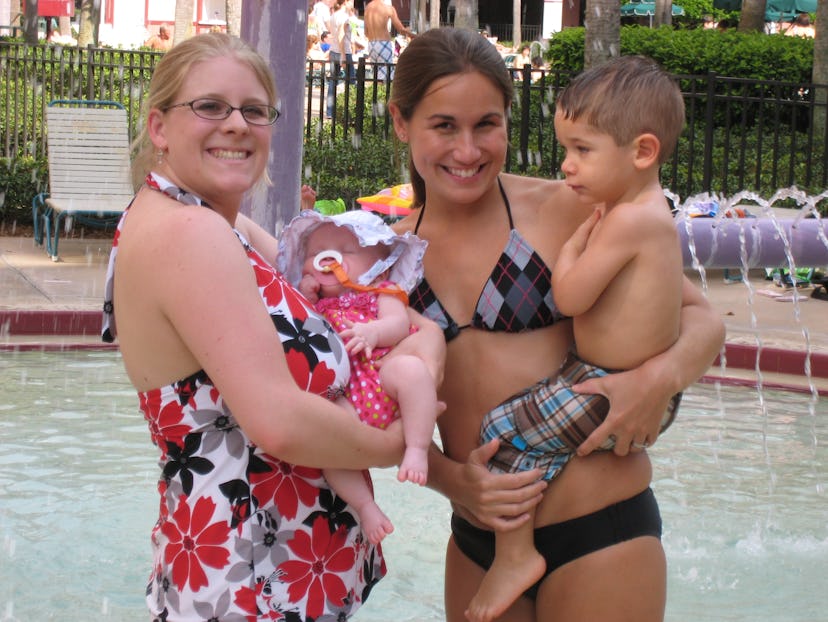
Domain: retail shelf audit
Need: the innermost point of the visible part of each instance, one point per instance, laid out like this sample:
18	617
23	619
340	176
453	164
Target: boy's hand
578	241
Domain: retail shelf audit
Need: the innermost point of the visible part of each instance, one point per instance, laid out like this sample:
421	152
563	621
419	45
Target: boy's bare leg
351	486
407	380
517	566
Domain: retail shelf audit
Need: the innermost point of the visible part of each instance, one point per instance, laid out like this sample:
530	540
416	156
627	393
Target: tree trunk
663	13
64	26
752	18
90	17
602	39
517	30
30	22
183	20
434	15
465	15
232	12
820	70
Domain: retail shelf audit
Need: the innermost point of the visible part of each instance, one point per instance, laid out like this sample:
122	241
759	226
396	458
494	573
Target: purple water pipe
764	242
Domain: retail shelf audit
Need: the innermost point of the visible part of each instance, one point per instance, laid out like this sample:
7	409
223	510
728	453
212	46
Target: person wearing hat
358	272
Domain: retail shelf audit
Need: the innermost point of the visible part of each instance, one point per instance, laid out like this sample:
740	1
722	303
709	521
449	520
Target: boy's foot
503	585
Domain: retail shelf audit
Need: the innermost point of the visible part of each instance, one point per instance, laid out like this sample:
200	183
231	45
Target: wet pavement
48	304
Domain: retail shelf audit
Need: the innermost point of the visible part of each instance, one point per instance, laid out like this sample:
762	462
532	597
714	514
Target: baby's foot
414	466
375	523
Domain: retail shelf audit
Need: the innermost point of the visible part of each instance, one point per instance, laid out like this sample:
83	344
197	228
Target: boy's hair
625	97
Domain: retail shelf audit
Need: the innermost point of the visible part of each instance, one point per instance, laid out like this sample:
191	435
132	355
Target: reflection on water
741	492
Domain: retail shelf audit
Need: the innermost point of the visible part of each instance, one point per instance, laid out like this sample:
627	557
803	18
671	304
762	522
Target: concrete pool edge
66	330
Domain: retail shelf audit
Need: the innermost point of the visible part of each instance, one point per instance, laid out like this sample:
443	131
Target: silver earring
159	156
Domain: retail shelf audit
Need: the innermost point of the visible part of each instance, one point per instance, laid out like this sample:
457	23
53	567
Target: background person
161	41
378	15
487	231
231	365
800	27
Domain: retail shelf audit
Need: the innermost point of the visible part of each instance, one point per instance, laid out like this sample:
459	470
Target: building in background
124	23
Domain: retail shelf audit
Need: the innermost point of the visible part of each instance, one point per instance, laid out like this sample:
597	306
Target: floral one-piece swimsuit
242	535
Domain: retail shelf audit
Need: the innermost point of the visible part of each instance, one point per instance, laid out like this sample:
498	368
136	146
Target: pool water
740	477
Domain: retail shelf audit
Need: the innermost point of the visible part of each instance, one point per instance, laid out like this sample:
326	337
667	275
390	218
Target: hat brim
368	228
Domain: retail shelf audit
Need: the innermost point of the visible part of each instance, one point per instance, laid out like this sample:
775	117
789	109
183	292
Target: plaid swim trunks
542	426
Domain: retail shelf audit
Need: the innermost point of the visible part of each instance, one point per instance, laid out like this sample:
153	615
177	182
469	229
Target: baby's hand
359	337
309	288
308	197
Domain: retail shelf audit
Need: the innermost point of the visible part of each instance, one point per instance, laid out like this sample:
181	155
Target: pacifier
330	256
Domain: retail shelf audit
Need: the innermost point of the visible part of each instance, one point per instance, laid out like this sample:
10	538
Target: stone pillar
278	30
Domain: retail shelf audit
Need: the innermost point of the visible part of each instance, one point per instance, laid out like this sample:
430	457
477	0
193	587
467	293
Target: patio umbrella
775	10
642	9
787	10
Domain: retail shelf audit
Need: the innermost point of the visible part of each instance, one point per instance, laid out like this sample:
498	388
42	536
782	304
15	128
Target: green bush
697	51
21	179
349	168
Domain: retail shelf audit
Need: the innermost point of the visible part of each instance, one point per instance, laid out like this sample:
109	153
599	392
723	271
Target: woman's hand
500	501
635	414
639	397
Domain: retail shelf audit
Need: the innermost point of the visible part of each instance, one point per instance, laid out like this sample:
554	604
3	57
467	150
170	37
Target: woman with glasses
234	370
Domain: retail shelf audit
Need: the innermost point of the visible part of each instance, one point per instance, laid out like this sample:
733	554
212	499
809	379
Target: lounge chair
89	180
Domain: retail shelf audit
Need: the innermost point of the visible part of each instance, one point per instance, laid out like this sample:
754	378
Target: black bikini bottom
564	542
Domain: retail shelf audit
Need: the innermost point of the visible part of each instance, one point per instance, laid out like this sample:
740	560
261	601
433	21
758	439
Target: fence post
359	116
90	72
525	102
707	163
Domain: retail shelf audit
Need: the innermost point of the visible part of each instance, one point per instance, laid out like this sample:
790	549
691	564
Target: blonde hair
169	76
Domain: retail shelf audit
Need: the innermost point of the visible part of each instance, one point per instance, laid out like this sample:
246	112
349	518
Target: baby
357	273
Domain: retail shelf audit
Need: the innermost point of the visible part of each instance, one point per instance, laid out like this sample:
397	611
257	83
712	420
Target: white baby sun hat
405	260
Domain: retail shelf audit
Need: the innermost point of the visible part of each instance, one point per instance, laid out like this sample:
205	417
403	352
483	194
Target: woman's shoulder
537	194
173	228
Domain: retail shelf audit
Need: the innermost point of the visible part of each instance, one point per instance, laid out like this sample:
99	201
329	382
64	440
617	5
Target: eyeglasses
217	110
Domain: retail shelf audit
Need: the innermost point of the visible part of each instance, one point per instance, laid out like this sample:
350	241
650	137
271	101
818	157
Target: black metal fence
740	134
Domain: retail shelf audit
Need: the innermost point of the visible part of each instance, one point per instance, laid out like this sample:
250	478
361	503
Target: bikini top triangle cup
516	297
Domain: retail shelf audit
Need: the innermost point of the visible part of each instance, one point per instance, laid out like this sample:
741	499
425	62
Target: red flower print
271	288
284	484
322	555
316	381
164	422
296	302
193	542
245	598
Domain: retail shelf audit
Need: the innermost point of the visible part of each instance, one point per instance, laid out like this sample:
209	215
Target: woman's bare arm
639	397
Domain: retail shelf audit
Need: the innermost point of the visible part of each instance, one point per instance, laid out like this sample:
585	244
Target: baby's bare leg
351	486
407	380
516	567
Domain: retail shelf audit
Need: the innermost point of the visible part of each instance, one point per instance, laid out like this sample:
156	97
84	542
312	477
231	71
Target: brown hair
170	74
435	54
625	97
